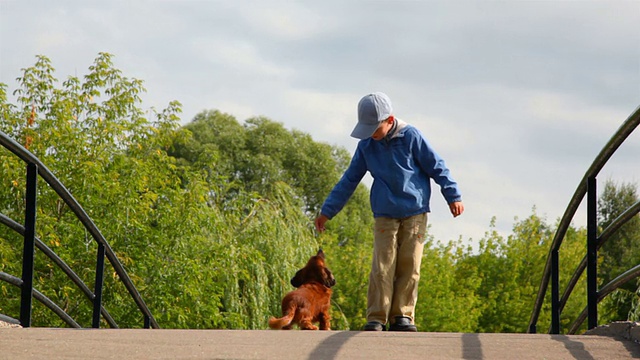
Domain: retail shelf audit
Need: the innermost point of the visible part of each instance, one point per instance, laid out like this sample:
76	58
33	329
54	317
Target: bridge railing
34	168
594	241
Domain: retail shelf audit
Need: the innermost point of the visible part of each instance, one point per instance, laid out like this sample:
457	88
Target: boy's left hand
457	208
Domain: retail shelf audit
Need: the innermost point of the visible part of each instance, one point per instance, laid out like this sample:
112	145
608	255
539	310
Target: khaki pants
395	271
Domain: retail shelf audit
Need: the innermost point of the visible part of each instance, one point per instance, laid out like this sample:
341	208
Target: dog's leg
305	324
324	322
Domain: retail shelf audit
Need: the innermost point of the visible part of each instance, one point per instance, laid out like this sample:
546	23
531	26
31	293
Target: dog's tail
279	323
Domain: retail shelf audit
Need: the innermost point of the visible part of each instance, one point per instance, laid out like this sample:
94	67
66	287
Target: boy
402	164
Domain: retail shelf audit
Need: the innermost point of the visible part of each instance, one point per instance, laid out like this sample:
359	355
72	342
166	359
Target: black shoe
403	323
374	326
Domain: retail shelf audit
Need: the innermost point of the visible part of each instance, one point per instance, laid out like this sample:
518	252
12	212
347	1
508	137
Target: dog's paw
308	327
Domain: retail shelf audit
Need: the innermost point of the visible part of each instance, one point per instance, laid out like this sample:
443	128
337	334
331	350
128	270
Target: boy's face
383	129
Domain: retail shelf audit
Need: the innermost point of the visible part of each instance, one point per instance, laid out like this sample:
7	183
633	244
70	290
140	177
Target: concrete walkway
46	343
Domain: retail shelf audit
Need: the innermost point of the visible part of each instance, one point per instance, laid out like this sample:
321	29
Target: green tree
506	273
261	152
254	156
620	252
204	251
447	299
98	142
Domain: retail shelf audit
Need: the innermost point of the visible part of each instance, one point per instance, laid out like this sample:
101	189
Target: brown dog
309	303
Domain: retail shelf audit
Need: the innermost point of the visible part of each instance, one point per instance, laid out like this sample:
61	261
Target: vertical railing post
28	251
97	300
555	292
592	254
147	321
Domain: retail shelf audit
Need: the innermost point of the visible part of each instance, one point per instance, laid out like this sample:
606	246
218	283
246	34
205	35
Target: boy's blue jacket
401	166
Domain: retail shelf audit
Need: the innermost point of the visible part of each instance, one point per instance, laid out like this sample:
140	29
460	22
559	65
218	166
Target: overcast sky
517	96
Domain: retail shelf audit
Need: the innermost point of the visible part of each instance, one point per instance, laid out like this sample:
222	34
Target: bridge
618	341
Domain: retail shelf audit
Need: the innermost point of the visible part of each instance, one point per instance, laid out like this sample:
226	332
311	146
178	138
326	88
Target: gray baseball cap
372	109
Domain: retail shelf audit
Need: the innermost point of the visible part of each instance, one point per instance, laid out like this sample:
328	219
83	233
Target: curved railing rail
40	297
550	273
604	291
604	236
62	265
104	248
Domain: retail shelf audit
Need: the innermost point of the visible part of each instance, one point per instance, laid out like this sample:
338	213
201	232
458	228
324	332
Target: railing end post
28	252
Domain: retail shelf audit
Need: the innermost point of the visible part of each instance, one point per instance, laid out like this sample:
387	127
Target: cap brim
364	131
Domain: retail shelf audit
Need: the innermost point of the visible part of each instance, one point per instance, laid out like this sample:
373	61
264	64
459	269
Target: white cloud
575	113
330	115
290	20
240	56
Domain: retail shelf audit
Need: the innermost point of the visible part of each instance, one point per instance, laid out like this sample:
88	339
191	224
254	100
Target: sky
518	97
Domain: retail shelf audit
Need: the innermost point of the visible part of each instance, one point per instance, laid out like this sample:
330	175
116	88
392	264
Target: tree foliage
211	219
620	252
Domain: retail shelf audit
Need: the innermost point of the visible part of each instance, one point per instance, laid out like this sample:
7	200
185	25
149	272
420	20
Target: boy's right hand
320	221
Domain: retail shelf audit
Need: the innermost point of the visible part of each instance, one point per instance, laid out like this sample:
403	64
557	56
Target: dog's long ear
298	279
328	278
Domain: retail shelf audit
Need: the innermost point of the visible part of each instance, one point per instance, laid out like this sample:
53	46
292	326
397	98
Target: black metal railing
594	241
34	168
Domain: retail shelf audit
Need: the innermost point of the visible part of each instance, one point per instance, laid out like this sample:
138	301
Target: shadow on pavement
575	348
329	348
471	347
